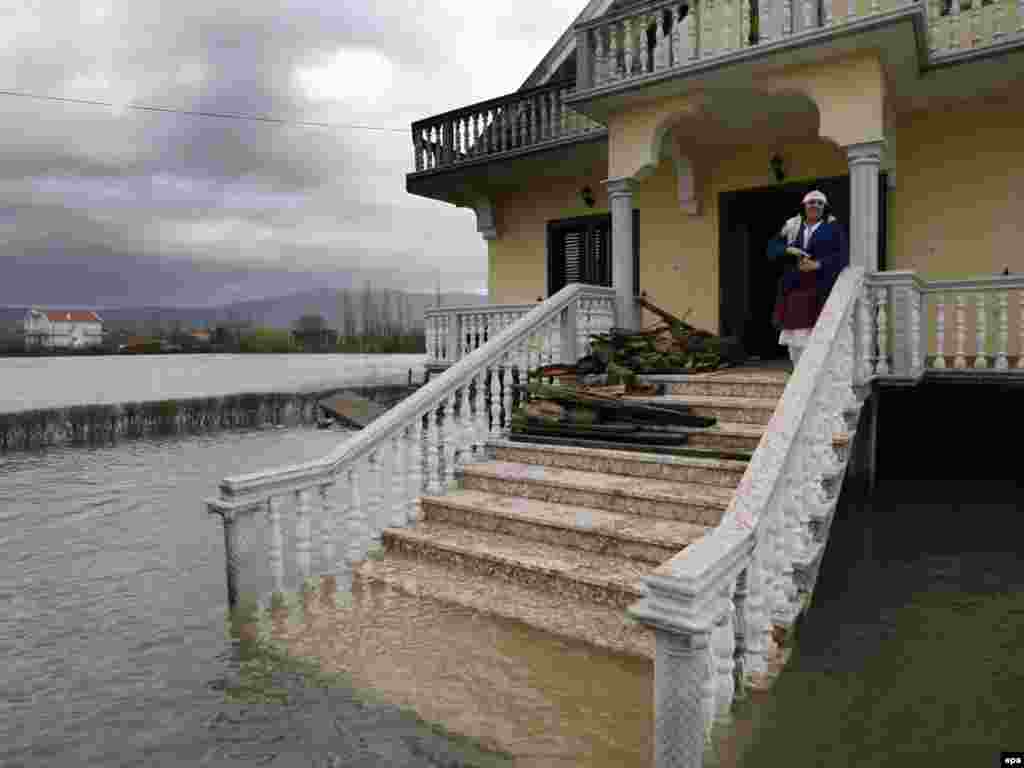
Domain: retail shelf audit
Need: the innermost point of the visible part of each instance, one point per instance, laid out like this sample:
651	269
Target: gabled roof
64	315
566	44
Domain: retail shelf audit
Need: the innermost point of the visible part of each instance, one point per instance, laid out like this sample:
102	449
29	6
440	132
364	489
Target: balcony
650	41
516	124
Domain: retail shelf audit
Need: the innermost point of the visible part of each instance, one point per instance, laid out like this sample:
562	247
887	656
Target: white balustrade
724	596
378	469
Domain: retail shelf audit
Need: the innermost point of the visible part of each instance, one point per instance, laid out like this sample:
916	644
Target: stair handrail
743	569
246	490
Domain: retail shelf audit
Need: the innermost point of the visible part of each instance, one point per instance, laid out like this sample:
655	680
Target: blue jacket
827	245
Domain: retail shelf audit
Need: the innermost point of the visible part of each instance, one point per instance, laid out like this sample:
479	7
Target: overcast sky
114	206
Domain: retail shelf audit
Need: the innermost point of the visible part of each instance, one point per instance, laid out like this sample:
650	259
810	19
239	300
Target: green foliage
268	340
398	344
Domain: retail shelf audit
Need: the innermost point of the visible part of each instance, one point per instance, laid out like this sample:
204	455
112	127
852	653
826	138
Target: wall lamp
778	170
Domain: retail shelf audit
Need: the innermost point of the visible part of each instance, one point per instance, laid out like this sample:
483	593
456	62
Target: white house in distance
71	329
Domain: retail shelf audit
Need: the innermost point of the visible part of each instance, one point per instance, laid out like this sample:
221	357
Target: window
580	251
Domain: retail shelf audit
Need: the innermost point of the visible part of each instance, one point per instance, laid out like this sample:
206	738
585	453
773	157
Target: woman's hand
809	265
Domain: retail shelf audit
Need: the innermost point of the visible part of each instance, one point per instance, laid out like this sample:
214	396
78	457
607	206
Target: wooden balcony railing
507	125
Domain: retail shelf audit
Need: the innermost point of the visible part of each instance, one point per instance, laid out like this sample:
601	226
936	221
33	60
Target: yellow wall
519	255
958	206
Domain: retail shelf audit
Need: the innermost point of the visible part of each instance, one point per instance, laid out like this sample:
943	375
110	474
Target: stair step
727	436
734	410
559	614
761	386
586	576
687	502
655	450
681	469
650	539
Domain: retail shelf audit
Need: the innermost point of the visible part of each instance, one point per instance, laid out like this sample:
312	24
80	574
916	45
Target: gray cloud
111	205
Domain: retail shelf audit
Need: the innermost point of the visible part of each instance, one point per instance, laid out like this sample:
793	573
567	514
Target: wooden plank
351	410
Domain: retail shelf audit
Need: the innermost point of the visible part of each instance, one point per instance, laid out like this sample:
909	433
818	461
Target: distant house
62	329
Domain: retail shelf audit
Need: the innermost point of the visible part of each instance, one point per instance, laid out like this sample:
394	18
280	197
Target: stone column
620	200
865	161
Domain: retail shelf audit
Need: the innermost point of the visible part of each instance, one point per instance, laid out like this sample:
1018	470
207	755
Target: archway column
865	160
620	200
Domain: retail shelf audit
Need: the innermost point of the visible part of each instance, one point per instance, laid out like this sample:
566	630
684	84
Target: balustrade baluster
998	20
480	426
707	688
954	25
433	453
275	543
470	448
827	12
973	23
876	7
358	528
883	331
499	129
1002	363
1020	319
724	644
417	150
508	369
399	476
756	623
327	546
303	534
450	434
414	468
375	495
981	327
916	334
487	127
960	361
497	376
696	41
940	331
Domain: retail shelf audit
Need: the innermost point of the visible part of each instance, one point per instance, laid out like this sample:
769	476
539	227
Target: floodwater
54	382
116	649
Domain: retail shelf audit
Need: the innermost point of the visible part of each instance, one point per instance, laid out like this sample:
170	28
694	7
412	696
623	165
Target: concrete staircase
559	536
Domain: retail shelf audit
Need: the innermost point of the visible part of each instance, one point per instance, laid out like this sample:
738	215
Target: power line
203	113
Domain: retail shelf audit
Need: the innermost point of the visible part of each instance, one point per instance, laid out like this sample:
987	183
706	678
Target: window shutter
573	245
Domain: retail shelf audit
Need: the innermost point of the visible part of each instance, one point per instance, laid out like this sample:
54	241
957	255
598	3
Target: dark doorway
748	281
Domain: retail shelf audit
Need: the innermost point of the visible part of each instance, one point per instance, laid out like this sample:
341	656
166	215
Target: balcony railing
507	125
659	37
959	328
454	332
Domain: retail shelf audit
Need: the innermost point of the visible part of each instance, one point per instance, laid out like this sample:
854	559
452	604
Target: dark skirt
800	306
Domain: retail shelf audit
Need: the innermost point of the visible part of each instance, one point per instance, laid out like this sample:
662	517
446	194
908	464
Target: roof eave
564	46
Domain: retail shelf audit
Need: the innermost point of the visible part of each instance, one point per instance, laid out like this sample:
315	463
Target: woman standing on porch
818	247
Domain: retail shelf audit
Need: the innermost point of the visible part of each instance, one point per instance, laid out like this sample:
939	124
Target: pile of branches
600	414
671	346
